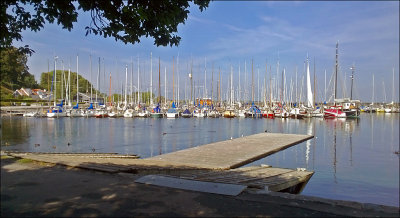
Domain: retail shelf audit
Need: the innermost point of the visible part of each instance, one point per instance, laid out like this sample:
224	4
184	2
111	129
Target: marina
175	108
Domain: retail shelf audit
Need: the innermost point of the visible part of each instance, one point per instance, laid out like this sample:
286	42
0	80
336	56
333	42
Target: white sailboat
58	109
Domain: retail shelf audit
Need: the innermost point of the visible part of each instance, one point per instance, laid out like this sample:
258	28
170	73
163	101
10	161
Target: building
22	92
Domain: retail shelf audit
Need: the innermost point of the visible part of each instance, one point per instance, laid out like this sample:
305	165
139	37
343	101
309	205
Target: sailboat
128	113
229	113
253	112
156	112
390	107
172	112
58	109
186	113
143	113
199	112
75	111
335	111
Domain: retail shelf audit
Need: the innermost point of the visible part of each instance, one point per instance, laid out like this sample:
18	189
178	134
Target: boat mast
384	91
165	86
177	71
239	84
48	75
191	82
126	85
77	80
205	78
159	81
69	82
91	82
219	85
270	86
62	80
393	89
336	69
325	87
138	77
265	84
131	92
212	83
352	68
373	89
173	80
55	80
109	92
314	83
231	86
98	78
309	92
245	81
151	78
258	85
296	87
252	82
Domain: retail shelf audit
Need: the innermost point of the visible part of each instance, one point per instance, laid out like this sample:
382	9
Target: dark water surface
353	159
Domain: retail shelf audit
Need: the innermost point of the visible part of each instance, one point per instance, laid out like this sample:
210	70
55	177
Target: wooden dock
233	153
215	162
259	177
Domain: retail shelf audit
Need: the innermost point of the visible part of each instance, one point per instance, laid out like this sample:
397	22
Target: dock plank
233	153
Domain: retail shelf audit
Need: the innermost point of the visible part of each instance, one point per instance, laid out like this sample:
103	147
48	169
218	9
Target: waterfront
353	159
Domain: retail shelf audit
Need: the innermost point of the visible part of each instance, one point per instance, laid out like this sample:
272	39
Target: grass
3	157
23	160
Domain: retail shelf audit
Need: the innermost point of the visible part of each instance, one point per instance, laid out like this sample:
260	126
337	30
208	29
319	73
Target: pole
151	78
159	81
336	69
252	82
91	82
77	79
173	80
352	78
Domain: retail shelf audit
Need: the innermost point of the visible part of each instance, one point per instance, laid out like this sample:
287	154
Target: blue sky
235	32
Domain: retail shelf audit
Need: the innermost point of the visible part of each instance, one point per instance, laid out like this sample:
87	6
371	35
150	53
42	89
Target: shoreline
33	188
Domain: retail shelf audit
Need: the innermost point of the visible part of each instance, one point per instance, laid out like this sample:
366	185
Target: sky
230	34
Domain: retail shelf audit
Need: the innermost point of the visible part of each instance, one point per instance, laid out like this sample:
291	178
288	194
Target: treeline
64	79
14	73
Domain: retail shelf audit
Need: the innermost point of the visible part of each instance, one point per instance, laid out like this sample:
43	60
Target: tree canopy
124	20
14	71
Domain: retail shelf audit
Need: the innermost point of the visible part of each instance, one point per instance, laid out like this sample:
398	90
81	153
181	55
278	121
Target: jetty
233	153
215	163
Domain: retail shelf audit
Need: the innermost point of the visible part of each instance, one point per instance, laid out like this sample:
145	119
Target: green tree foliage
14	71
61	83
125	21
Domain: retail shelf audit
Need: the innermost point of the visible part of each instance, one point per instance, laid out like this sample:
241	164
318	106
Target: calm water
353	159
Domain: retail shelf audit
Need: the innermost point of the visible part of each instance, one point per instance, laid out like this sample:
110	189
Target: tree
125	21
14	71
62	81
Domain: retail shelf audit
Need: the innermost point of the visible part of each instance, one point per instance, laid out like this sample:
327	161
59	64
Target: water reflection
353	159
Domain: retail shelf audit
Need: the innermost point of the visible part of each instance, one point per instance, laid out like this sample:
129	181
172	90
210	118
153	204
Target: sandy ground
39	189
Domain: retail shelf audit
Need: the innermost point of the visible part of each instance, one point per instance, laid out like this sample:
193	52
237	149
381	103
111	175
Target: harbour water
353	159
